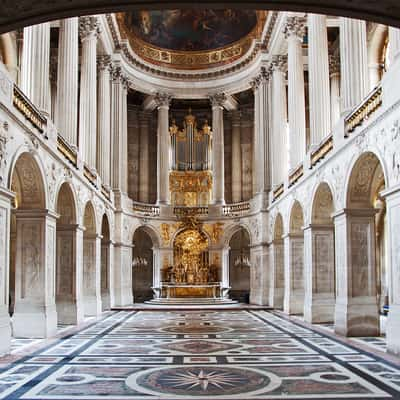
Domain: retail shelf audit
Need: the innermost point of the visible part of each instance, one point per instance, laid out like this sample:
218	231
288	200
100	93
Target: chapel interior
200	203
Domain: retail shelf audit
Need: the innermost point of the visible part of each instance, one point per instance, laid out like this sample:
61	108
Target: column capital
104	62
334	64
295	26
217	99
88	27
162	99
279	63
263	77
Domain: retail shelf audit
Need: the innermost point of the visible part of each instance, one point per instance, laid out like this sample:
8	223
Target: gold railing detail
236	209
26	107
325	147
278	191
106	192
364	110
146	210
90	176
66	150
190	211
296	175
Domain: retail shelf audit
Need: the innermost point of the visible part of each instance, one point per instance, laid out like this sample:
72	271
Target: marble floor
242	354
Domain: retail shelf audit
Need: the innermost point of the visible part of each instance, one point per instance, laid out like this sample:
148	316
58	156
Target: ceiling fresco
190	29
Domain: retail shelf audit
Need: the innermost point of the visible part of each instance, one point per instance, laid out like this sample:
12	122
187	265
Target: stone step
191	301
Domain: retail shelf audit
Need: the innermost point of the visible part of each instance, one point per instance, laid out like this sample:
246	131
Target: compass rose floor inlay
198	355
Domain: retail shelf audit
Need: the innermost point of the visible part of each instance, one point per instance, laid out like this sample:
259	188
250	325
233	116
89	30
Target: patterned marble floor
246	354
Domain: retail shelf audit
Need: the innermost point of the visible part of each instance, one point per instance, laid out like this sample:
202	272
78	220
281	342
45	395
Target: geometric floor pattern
245	354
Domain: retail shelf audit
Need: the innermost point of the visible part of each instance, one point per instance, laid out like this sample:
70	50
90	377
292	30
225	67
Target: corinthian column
66	110
261	139
144	157
294	32
163	100
89	31
35	65
354	65
217	102
279	122
320	118
104	119
334	69
236	159
119	130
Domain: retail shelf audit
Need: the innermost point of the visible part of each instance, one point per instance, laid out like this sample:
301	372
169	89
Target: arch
9	54
151	231
232	230
28	182
296	220
89	219
66	204
105	227
105	263
376	46
278	227
322	205
17	17
365	176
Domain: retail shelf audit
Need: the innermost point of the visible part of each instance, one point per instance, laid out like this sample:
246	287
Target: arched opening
105	262
142	266
69	308
294	263
278	266
91	267
320	259
239	266
32	254
359	267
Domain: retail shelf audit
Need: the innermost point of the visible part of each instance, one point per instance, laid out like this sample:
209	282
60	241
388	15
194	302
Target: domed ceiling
191	38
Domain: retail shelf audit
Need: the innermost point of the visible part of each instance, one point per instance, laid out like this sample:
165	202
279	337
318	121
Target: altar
212	290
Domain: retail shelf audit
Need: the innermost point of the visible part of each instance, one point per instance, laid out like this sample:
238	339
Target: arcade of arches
241	167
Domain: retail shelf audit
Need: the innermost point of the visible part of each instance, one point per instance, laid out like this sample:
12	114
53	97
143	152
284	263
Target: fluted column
144	157
119	130
66	109
394	42
35	65
89	31
294	32
163	143
104	118
334	70
320	119
217	102
354	62
279	121
236	158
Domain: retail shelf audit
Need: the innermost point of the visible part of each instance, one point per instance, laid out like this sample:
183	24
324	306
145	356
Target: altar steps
191	301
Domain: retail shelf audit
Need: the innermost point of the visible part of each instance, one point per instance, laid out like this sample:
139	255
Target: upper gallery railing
236	209
146	210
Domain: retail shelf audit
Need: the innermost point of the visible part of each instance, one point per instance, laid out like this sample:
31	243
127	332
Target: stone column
163	148
394	43
89	31
104	119
66	110
279	122
35	308
119	130
318	65
334	70
356	310
218	171
35	65
69	300
259	284
91	274
277	275
144	157
261	138
236	158
294	32
392	198
107	253
354	62
319	274
5	217
293	302
123	274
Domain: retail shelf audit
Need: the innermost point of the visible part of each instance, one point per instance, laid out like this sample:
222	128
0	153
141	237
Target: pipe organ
190	178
